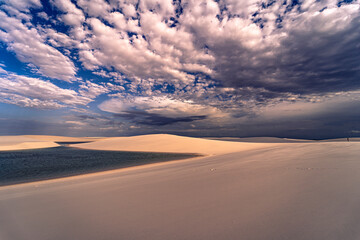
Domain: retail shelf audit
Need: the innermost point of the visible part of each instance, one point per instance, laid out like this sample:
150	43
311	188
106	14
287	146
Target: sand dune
170	143
296	191
8	143
260	139
52	138
352	139
28	145
153	143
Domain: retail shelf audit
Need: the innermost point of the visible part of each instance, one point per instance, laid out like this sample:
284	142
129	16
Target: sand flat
292	191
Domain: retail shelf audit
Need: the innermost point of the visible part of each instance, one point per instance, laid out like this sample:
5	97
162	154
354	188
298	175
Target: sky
238	68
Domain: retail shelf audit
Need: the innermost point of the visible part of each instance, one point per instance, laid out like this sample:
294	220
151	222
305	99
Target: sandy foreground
273	191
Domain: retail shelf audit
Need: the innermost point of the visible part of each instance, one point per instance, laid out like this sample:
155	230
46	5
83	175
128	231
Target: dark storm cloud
317	55
145	118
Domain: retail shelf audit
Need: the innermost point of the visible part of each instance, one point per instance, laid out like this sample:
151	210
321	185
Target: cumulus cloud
22	5
29	47
71	14
300	47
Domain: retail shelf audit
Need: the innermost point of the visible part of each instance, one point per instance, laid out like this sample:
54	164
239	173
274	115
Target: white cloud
129	10
33	92
160	105
72	15
23	5
95	8
92	90
30	48
12	98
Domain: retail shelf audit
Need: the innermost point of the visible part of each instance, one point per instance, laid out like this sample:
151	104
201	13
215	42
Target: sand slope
170	143
297	191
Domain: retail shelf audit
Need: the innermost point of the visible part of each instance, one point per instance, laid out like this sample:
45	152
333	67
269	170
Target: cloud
282	48
23	5
224	65
143	117
29	47
159	110
72	15
92	90
300	47
36	93
161	105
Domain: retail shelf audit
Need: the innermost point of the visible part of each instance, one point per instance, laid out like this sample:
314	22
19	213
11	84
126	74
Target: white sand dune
260	139
61	138
296	191
170	143
28	145
8	143
152	143
23	142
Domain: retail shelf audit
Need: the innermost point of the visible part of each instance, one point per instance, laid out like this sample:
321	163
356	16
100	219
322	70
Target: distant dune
8	143
260	139
23	142
170	143
153	143
341	140
61	138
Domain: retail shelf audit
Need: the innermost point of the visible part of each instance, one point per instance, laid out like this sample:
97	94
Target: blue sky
196	67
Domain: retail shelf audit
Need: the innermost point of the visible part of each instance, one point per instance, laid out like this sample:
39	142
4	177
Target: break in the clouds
195	67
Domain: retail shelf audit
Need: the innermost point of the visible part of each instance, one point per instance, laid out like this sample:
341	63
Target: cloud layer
188	65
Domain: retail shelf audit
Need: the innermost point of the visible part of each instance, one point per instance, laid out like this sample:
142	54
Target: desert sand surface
296	191
170	143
